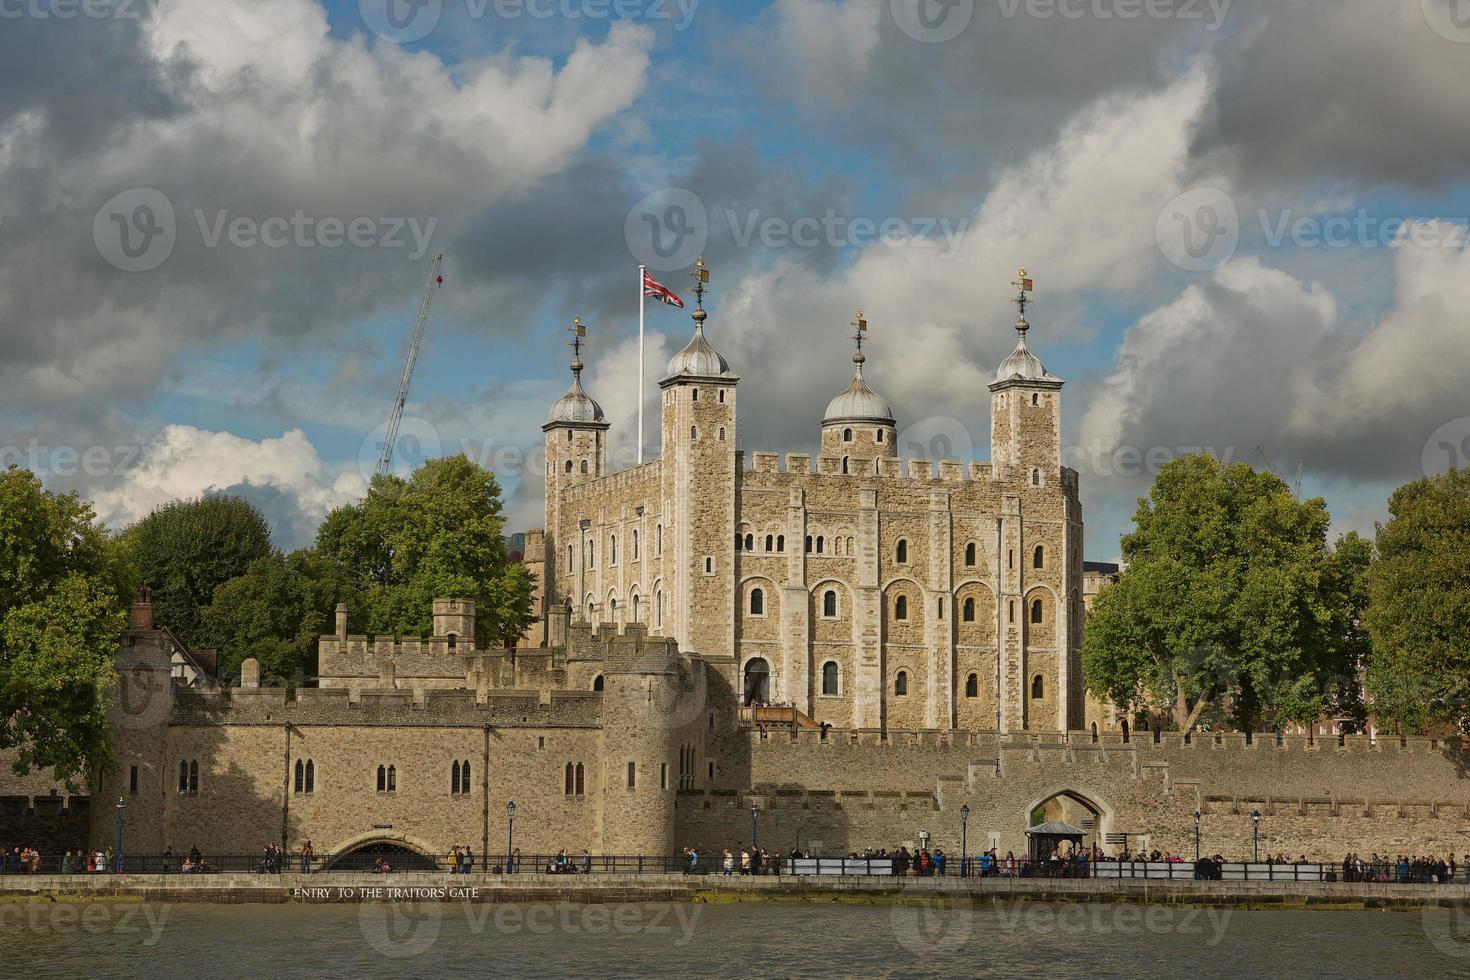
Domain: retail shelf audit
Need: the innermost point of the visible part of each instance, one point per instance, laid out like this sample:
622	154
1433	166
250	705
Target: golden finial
700	274
1024	285
578	330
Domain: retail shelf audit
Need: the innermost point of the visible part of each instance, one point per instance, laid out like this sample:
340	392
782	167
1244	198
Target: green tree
186	549
1229	601
63	585
274	612
1419	606
437	534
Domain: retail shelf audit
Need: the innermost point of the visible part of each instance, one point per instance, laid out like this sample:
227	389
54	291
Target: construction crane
415	342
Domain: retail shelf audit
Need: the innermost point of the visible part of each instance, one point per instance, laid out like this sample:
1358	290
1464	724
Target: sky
1246	221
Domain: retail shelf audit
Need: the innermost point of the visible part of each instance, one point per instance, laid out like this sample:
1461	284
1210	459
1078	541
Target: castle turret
1025	410
859	426
699	474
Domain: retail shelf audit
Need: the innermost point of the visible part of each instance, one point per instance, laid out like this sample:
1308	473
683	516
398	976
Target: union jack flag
657	290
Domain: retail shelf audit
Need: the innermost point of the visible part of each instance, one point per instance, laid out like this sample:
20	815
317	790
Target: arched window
659	542
901	684
901	553
453	641
757	602
300	776
722	433
829	678
1038	688
970	555
382	779
464	777
750	542
580	787
901	607
820	542
637	608
940	606
392	779
1035	399
849	547
709	565
658	607
597	683
591	554
722	396
454	779
695	393
829	604
847	435
770	542
844	466
969	613
693	433
194	775
780	544
972	686
584	466
612	550
310	776
1035	610
878	436
569	462
1038	557
571	560
571	780
808	544
1036	478
1011	611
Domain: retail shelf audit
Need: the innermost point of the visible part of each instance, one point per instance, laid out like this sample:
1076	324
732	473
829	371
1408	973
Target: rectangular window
133	780
711	770
632	775
663	775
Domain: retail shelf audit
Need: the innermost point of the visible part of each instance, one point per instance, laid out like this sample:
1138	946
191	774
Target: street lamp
1196	837
510	838
1256	825
753	811
121	806
964	840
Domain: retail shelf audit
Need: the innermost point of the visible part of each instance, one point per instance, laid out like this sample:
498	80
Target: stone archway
404	852
1074	805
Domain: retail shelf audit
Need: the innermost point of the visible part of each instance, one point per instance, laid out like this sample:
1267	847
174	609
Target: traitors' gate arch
403	851
1075	805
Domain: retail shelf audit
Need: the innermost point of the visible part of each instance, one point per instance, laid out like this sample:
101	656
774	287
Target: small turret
859	424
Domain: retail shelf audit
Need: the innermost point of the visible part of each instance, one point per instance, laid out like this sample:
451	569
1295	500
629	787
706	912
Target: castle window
780	544
454	779
597	683
392	779
659	540
941	607
878	436
693	433
612	610
453	641
1035	610
584	466
1038	688
722	433
632	775
808	544
612	550
849	547
300	776
901	684
464	777
820	542
969	613
1035	399
569	435
844	466
750	542
194	776
579	779
637	608
757	602
569	463
1011	611
847	435
387	779
571	560
1038	557
658	607
591	554
709	565
310	776
972	686
133	779
695	393
1010	558
829	604
722	396
570	785
970	555
635	544
830	679
769	541
663	775
183	777
902	552
1036	478
901	608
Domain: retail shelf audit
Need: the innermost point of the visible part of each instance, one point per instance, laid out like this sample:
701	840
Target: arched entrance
363	854
1076	808
757	681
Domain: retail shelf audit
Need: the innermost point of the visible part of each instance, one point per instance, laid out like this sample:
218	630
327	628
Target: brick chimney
142	613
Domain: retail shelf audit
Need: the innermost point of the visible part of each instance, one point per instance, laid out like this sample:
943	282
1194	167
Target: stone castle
870	653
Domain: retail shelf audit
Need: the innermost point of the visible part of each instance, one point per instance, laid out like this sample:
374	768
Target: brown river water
683	940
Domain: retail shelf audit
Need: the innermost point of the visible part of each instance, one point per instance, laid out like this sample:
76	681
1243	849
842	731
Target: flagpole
641	301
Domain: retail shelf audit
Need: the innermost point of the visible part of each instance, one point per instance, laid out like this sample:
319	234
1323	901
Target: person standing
306	856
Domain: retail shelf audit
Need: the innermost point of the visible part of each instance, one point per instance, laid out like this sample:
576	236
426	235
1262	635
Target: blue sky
1085	147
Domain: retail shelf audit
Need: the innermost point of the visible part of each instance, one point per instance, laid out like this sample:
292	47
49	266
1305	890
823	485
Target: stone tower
455	617
576	451
699	473
1026	409
859	426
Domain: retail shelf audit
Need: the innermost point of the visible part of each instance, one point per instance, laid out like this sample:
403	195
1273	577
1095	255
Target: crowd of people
1403	868
461	860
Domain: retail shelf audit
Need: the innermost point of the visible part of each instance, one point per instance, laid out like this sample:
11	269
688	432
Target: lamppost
510	838
121	806
1196	837
753	811
964	840
1256	826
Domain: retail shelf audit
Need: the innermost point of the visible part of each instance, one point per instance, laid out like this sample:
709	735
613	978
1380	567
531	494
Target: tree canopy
63	586
436	534
274	612
1419	613
186	549
1230	601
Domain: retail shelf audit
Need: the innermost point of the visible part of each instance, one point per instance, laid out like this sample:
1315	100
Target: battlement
275	706
644	475
886	468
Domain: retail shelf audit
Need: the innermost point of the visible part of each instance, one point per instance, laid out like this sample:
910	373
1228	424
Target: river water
741	940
